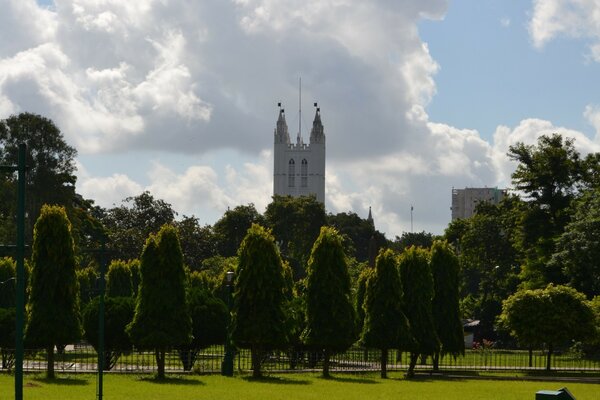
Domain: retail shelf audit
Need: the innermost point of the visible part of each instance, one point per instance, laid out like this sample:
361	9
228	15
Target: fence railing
83	358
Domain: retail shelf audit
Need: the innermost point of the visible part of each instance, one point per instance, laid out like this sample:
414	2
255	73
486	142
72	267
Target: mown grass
286	387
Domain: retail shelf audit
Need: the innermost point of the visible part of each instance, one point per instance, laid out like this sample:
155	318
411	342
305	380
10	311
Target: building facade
299	168
464	201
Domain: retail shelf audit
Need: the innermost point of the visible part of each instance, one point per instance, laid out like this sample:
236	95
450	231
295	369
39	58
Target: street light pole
227	364
20	300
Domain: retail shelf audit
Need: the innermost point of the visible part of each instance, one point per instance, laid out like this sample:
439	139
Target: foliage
330	315
8	282
118	312
418	239
385	325
445	304
197	242
87	280
118	279
229	231
161	317
359	232
417	283
359	297
553	316
259	296
296	222
53	309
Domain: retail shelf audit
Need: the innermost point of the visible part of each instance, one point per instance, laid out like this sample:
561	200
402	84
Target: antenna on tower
299	110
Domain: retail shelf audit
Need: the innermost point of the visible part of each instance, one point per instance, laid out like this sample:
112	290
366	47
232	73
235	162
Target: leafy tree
118	312
259	297
87	280
129	224
359	231
7	337
296	223
417	283
118	279
445	304
359	298
161	317
8	283
330	315
418	239
554	316
53	309
197	242
385	324
210	318
578	248
230	230
548	175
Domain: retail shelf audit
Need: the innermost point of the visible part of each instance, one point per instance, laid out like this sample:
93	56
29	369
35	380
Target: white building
464	201
299	168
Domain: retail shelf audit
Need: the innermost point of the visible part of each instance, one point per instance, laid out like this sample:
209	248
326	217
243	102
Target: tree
578	247
87	281
359	231
161	317
53	311
548	175
445	304
118	279
197	242
259	297
418	239
296	223
330	315
554	316
230	230
118	312
385	324
7	282
7	311
417	283
51	161
129	224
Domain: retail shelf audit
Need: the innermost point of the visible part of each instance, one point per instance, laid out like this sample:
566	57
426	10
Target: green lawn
285	387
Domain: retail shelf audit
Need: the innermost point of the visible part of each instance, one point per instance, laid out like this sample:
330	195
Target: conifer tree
385	324
417	283
161	319
330	315
118	279
259	297
445	305
53	310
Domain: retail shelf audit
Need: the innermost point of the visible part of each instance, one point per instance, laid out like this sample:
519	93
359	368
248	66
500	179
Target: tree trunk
255	355
548	360
160	362
414	357
50	366
530	356
436	361
326	363
384	360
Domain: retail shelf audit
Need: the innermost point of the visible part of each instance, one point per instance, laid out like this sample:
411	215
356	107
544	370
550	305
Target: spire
317	134
281	131
370	218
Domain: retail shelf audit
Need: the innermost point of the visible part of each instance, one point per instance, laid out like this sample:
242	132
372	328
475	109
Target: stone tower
299	168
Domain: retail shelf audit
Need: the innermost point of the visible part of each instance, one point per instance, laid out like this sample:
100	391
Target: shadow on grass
68	381
174	380
277	380
352	379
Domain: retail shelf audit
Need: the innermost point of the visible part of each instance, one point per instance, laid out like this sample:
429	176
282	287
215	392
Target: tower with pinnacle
299	168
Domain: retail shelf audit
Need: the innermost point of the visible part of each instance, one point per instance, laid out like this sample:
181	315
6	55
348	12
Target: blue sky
417	96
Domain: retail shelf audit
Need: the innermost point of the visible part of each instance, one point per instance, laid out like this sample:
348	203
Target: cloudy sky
417	96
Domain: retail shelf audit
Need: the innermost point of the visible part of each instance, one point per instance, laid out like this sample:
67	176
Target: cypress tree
445	304
161	319
330	315
417	282
259	297
53	311
385	324
118	279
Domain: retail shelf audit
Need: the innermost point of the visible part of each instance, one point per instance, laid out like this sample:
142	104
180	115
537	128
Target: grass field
285	387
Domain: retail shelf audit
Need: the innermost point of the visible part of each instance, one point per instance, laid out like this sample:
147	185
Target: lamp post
227	364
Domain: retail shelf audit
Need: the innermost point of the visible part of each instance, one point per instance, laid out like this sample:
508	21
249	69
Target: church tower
299	168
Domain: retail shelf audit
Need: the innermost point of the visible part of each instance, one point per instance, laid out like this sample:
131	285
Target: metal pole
20	295
103	261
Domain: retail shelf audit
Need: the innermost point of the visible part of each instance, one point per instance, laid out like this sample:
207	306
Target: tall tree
417	282
197	242
359	231
330	315
385	325
230	230
161	318
259	297
53	311
296	223
445	304
118	279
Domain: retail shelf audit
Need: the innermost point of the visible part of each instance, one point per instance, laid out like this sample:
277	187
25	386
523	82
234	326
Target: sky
417	96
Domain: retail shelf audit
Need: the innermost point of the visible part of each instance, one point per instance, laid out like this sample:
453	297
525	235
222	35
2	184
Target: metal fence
83	358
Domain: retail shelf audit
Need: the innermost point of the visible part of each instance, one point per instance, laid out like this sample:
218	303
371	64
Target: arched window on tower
291	173
304	173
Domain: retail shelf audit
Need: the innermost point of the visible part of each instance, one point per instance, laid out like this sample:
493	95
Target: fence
83	358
